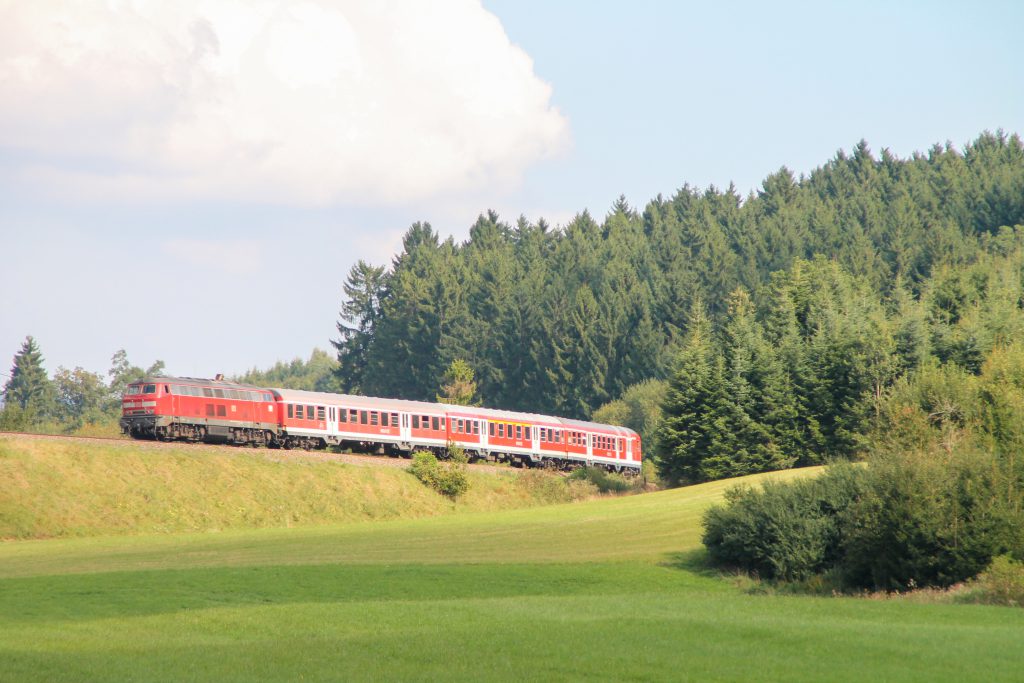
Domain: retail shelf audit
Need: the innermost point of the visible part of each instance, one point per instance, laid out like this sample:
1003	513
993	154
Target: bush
605	481
927	520
448	479
907	520
1001	584
784	531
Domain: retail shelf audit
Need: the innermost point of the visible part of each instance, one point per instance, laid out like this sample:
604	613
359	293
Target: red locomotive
184	408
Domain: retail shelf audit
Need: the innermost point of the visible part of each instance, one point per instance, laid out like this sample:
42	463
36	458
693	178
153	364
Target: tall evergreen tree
683	439
29	388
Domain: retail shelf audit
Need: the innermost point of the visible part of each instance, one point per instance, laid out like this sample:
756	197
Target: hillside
79	488
607	589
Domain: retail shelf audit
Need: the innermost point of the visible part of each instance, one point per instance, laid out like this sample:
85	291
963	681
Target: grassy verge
54	489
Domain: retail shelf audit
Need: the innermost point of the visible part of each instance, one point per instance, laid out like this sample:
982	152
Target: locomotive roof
221	383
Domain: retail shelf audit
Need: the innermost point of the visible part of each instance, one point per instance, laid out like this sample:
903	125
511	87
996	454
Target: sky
192	181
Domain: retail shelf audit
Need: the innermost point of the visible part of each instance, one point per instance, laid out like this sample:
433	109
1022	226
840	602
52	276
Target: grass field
609	589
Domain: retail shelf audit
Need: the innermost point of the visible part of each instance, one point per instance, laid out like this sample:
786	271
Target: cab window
149	389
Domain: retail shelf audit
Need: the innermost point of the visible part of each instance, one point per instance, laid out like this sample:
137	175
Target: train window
373	417
342	415
501	429
519	431
353	415
436	423
207	392
222	411
543	434
476	426
558	436
300	412
134	389
320	412
219	393
394	419
209	410
490	428
291	410
149	389
362	417
415	421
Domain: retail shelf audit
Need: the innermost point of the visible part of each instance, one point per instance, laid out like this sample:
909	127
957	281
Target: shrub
449	479
605	481
927	520
783	531
907	520
1001	584
544	486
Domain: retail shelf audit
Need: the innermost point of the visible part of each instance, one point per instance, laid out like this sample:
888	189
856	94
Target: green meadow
598	589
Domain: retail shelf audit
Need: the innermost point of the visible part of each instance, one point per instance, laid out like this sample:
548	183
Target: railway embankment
53	487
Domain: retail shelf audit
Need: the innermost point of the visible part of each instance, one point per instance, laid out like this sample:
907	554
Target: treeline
564	320
71	399
315	374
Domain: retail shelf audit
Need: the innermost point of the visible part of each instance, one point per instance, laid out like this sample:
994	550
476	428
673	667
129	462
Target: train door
483	432
590	444
332	421
629	448
404	429
172	399
535	438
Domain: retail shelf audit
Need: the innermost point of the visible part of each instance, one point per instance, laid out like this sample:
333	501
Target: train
221	411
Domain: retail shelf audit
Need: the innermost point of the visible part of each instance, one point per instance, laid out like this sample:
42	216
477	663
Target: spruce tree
683	439
28	387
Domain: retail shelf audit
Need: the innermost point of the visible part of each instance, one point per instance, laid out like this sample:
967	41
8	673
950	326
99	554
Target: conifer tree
459	388
29	389
683	439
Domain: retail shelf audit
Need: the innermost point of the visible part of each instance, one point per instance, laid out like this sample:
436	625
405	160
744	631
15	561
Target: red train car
199	410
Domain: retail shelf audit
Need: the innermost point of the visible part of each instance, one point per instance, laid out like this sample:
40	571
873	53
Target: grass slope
607	589
64	488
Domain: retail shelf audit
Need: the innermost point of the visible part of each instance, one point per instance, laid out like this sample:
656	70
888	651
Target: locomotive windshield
149	389
134	389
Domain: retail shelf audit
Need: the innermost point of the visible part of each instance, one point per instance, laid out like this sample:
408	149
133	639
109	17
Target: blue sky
193	184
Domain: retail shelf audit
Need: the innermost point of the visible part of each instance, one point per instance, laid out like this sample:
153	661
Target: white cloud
292	101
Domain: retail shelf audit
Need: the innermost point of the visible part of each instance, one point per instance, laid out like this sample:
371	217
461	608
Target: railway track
279	455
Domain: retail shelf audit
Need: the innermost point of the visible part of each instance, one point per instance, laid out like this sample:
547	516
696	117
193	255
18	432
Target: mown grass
54	489
608	589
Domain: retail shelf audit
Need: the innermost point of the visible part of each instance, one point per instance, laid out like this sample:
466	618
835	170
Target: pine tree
29	389
459	388
683	439
364	290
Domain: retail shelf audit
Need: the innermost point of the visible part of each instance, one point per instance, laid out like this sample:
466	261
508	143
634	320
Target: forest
778	320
